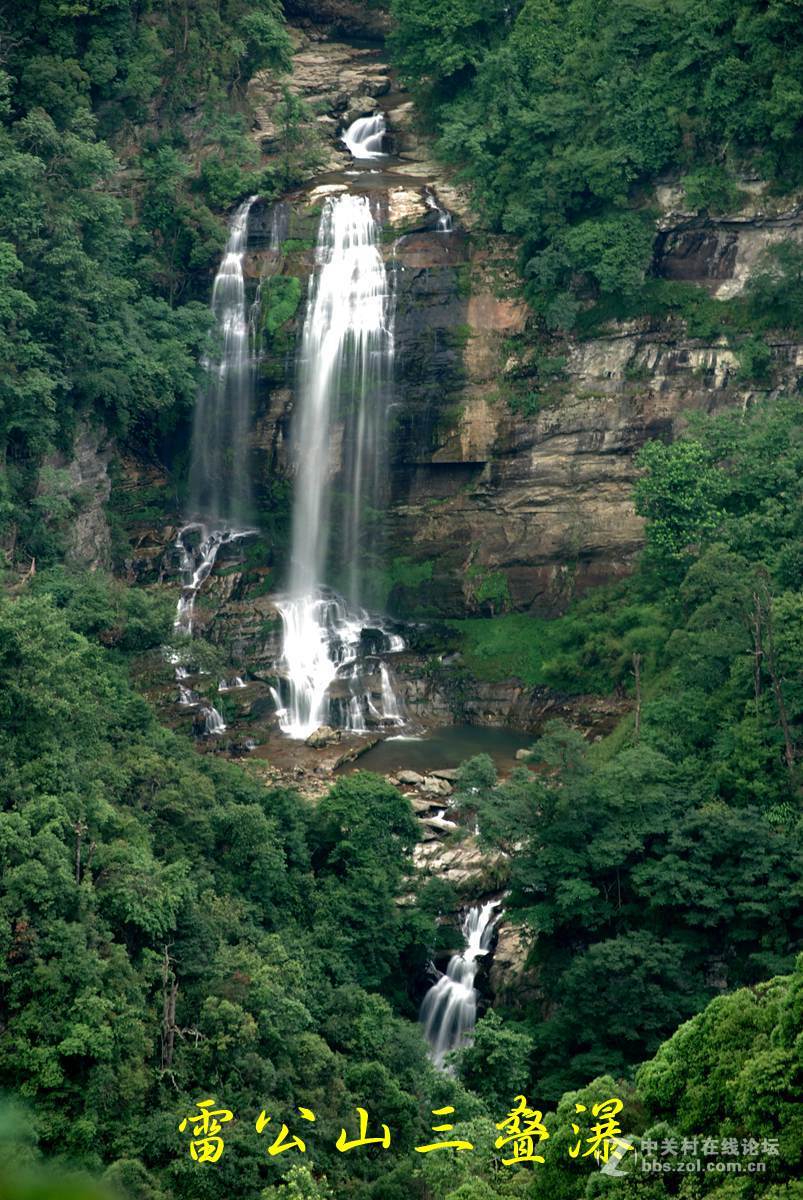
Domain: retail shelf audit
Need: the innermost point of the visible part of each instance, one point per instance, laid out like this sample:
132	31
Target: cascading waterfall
344	386
213	723
390	704
219	475
449	1009
445	221
231	685
346	361
365	137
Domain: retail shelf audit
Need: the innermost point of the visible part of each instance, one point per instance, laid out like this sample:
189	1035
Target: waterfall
343	391
390	702
198	548
279	225
449	1009
231	685
365	137
445	222
213	722
346	361
219	477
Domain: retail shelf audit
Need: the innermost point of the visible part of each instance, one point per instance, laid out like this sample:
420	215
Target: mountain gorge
417	389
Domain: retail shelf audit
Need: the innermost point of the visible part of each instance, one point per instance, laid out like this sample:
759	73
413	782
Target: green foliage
437	41
496	1065
658	868
711	188
735	1067
484	587
280	297
131	867
509	645
755	361
97	265
105	610
590	649
299	146
679	495
301	1184
401	586
615	251
563	121
775	290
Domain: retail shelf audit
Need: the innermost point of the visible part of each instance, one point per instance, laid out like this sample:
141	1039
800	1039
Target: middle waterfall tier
339	443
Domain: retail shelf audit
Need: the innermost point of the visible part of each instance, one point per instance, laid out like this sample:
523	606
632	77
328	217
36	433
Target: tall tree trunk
777	687
758	646
637	660
169	994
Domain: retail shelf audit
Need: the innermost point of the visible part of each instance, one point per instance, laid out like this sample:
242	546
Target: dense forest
563	115
176	928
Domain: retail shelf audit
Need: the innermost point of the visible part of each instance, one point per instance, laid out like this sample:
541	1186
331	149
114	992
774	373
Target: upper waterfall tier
344	386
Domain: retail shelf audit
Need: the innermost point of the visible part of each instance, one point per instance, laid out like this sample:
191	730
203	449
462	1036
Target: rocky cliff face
540	502
539	499
86	479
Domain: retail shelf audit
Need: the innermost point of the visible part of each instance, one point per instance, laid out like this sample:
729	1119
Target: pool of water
447	746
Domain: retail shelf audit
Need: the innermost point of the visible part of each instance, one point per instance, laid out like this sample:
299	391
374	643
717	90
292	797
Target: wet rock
420	805
410	777
347	18
508	976
522	755
87	536
359	106
462	864
447	773
335	79
406	205
324	735
436	787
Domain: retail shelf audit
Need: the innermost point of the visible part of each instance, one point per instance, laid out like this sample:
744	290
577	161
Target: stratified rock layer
536	497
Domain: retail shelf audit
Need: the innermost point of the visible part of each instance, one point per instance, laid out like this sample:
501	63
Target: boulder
436	787
324	735
410	777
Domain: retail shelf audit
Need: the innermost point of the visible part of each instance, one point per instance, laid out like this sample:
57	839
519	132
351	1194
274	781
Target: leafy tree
679	497
563	121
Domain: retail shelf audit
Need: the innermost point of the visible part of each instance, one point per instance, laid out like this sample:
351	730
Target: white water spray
219	476
213	721
365	137
231	685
